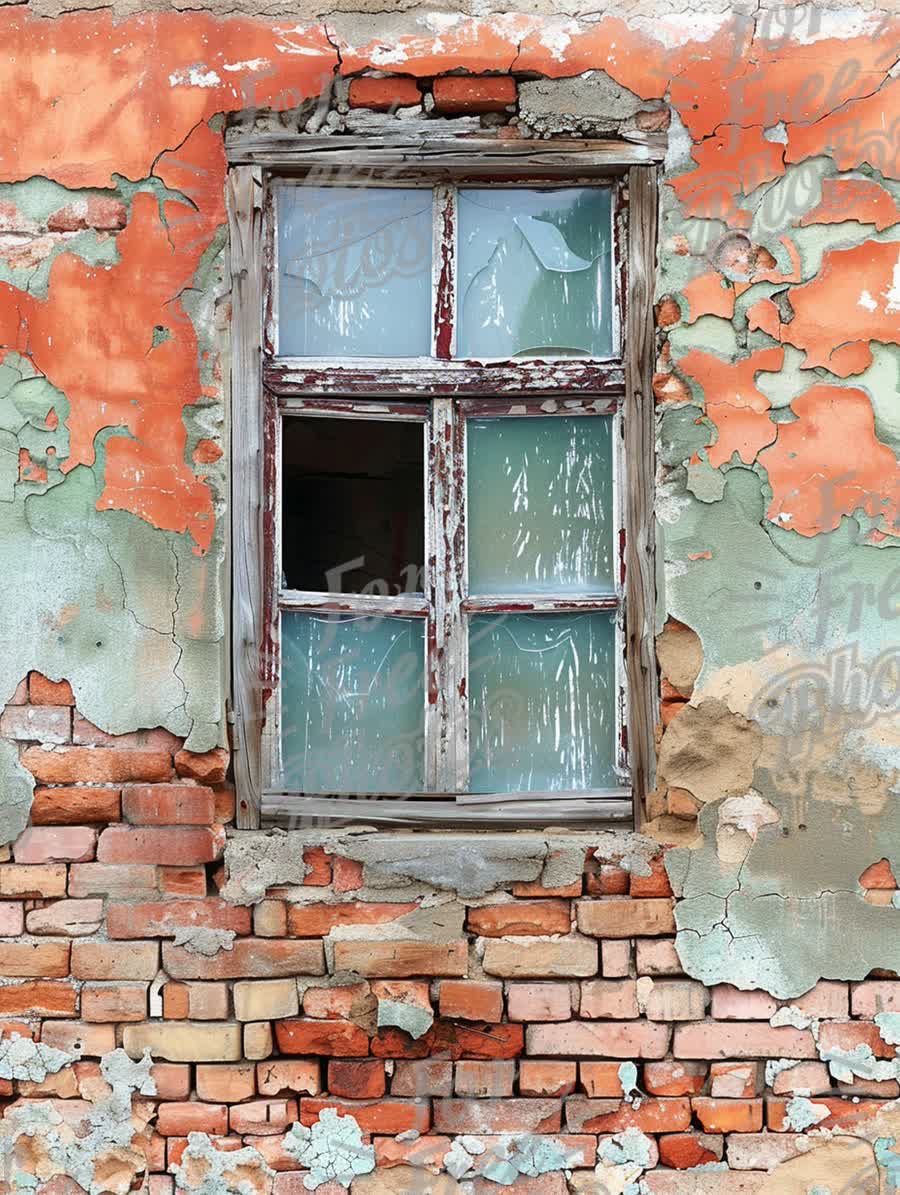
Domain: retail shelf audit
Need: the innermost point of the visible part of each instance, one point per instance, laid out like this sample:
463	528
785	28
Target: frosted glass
539	507
353	704
542	702
535	273
354	272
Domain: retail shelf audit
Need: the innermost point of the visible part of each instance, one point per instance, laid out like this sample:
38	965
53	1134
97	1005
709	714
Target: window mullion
443	273
447	713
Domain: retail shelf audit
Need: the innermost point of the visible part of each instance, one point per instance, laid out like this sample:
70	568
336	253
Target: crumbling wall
709	1007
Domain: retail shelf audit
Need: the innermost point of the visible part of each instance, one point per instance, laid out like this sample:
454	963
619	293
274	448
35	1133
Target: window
438	603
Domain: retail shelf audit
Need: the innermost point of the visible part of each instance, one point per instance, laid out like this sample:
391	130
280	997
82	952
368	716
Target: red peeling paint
860	199
734	403
709	294
830	463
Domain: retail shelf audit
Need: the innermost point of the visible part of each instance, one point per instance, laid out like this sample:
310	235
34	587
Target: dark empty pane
353	507
354	271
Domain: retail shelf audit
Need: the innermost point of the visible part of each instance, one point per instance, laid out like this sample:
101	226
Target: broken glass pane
352	703
354	272
535	273
539	505
353	505
542	702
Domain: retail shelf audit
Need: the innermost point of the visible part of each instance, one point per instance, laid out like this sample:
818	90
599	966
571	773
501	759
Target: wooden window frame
265	389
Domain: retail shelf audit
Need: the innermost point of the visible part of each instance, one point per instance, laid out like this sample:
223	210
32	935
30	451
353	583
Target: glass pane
354	272
352	704
535	273
542	702
353	505
540	516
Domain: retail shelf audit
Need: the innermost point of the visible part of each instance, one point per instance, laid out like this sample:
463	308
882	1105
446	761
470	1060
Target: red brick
336	1039
33	881
347	874
607	880
674	1078
848	1035
742	1039
533	888
553	1183
425	1153
160	919
538	1077
318	920
840	1112
38	999
115	960
497	1116
359	1078
27	960
387	1116
655	884
452	1039
878	875
425	1077
611	999
382	95
226	1082
134	880
297	1076
539	1001
182	881
528	918
614	1116
810	1078
74	806
175	1147
49	692
338	1003
266	1117
164	844
684	1151
600	1080
402	959
471	1000
87	734
168	804
480	1079
95	765
114	1002
55	844
224	803
610	1039
473	94
647	918
97	211
728	1116
172	1079
249	958
209	767
178	1120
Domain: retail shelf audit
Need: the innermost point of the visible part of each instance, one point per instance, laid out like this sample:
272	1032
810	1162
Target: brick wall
561	1013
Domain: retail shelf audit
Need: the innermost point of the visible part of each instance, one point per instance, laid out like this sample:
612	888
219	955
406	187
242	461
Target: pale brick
266	999
55	844
657	957
115	960
615	958
37	723
75	1037
736	1080
762	1151
401	959
226	1083
731	1004
539	1001
742	1039
875	996
297	1076
73	918
115	1002
810	1078
497	1116
828	999
563	958
134	881
28	880
12	918
676	1000
609	999
259	1041
184	1041
422	1077
600	1039
478	1079
34	960
648	917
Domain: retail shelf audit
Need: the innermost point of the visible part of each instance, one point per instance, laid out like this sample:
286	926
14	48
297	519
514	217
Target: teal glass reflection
352	704
354	271
535	273
540	505
542	700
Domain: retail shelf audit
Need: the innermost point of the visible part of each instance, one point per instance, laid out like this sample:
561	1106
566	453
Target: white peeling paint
194	76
